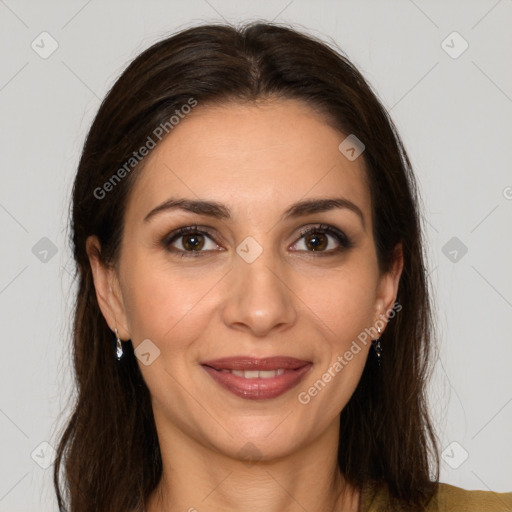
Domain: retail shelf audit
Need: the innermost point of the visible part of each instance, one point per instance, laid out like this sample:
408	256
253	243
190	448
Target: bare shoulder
455	499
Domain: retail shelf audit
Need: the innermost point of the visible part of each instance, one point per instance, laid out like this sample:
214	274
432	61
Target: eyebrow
219	211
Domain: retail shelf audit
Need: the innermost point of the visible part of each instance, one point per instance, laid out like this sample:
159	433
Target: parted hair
108	456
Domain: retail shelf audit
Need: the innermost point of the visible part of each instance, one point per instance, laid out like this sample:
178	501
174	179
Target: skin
257	160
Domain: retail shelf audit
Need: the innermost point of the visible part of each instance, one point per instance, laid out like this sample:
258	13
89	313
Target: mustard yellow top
447	499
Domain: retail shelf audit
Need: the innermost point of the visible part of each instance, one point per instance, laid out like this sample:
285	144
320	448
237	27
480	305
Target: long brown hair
109	457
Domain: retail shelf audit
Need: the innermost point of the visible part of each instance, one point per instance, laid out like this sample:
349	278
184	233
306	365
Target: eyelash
341	238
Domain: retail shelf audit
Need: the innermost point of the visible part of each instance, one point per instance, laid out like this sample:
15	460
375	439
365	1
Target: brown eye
189	241
324	240
316	241
193	242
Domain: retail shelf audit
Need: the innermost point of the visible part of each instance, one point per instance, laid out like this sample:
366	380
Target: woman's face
244	283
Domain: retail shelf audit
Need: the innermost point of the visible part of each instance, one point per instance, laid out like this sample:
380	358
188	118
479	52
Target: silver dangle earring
119	347
378	347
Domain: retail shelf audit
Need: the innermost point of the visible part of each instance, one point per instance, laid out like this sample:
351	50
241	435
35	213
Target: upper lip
252	363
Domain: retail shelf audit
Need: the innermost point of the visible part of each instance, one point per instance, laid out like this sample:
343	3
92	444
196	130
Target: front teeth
251	374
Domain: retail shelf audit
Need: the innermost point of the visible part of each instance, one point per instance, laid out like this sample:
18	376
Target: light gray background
453	114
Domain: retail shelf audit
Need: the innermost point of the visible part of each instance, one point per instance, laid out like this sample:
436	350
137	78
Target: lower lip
258	389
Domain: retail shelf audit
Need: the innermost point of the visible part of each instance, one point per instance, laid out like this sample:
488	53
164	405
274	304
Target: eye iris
316	241
193	242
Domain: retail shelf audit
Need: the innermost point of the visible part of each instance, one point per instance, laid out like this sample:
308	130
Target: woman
252	326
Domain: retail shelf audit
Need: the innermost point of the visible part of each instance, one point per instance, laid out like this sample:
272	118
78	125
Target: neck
198	478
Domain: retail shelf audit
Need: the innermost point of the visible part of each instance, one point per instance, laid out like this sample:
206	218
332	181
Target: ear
108	291
388	286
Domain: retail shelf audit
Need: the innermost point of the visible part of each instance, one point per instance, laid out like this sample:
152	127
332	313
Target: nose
259	300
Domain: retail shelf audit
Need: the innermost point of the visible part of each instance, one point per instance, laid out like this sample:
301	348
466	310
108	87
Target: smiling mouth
257	379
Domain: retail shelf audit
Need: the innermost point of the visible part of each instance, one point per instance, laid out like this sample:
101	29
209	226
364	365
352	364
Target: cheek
159	301
347	314
344	302
343	307
343	355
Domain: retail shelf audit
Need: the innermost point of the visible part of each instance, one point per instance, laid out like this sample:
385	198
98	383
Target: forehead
250	157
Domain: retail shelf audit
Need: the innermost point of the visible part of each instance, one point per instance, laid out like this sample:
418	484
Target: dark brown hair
109	456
